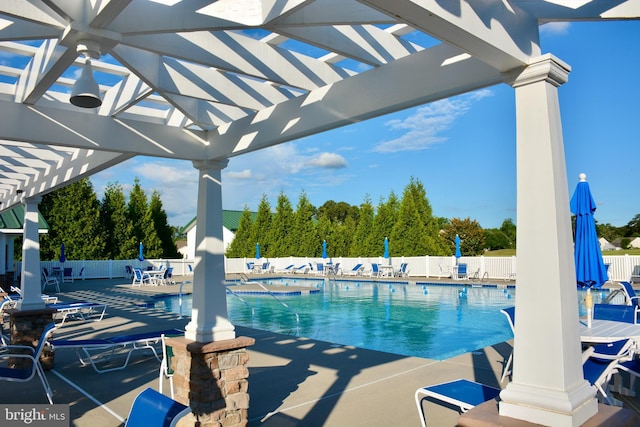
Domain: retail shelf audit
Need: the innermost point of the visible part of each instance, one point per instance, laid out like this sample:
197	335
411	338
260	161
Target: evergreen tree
48	241
307	241
143	231
383	223
361	242
74	219
433	243
161	225
136	209
260	232
325	232
282	240
151	239
343	237
113	213
408	236
243	243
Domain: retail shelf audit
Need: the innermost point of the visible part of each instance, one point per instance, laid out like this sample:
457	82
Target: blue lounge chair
287	269
356	270
12	370
320	271
599	363
375	270
615	312
403	271
80	310
151	408
304	268
635	274
630	296
94	351
463	394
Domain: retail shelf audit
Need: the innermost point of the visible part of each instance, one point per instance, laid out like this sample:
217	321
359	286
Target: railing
488	268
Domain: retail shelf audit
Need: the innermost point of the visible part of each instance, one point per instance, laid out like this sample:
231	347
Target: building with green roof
230	223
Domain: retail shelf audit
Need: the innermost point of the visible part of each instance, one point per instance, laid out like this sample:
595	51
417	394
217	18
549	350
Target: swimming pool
423	320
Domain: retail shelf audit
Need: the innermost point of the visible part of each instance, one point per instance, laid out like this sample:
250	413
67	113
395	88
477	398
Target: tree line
351	231
111	228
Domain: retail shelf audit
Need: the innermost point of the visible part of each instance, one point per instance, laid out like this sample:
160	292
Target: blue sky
462	149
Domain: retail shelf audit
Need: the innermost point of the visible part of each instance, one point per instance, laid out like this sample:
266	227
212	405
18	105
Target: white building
230	222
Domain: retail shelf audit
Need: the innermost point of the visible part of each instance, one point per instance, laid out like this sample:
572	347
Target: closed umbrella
63	258
458	253
590	269
257	250
386	247
324	249
141	252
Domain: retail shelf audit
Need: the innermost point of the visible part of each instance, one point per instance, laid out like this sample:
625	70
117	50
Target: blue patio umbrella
141	252
458	253
324	249
257	250
63	258
590	268
386	247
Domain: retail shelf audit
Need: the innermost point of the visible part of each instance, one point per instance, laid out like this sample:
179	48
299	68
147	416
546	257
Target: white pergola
208	80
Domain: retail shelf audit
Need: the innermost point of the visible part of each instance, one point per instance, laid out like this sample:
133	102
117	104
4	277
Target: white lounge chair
166	370
49	281
100	351
79	310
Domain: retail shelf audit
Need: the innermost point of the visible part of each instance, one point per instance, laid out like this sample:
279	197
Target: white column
548	386
30	277
10	260
209	320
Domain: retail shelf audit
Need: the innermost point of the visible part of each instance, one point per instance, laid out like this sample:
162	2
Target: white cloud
176	181
328	160
423	129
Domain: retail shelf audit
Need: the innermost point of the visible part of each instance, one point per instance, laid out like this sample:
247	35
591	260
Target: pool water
423	320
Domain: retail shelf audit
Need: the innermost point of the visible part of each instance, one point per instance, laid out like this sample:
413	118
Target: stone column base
26	327
212	378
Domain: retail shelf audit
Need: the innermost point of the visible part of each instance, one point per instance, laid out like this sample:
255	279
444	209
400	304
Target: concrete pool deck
292	381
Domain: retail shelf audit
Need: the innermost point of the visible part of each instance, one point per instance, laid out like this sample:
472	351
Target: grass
512	252
501	252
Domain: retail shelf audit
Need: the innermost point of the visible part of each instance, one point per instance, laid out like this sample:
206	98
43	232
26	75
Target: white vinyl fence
500	268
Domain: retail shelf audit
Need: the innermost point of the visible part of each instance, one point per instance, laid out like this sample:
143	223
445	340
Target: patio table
602	331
